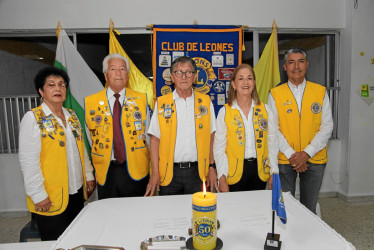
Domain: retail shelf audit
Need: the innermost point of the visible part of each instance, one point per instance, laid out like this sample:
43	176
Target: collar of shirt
110	95
236	106
176	96
47	111
297	88
298	92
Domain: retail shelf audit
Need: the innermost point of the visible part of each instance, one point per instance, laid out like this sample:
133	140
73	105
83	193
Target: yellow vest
300	129
53	160
235	148
167	118
133	119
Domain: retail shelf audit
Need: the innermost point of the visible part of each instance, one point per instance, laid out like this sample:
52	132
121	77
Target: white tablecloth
245	219
33	245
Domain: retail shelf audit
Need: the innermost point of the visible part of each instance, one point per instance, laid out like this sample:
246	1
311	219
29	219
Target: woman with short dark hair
56	169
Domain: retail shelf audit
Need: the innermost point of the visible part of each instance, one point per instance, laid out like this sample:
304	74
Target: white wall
44	14
351	159
344	95
361	130
12	191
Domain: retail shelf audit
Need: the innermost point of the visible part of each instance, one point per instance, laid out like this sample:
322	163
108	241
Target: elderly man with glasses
182	131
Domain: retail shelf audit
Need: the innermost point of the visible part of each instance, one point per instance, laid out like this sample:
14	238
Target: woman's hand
223	186
44	205
90	187
270	182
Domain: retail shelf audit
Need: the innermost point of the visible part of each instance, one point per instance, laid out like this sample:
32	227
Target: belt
185	164
115	162
251	159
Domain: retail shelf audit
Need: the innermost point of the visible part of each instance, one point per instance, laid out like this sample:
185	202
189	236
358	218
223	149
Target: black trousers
120	184
250	180
185	181
51	227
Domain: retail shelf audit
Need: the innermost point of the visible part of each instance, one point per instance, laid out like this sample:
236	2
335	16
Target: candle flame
204	189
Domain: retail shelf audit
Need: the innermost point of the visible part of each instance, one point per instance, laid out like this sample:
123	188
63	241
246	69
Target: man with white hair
116	118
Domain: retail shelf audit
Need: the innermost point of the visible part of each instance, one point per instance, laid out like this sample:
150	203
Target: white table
33	245
245	219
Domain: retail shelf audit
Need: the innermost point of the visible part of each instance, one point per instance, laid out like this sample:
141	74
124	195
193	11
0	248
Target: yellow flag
137	81
267	67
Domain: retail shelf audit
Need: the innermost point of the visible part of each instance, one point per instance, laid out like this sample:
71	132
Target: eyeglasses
180	74
52	84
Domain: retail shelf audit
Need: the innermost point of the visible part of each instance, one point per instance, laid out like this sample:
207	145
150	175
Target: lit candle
204	219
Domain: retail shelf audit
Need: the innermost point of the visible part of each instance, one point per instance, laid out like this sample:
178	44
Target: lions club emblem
205	75
316	108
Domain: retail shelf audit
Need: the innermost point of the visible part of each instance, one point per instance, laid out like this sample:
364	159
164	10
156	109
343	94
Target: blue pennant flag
277	201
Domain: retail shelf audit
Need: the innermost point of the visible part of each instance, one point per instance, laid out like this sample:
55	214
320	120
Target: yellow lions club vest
53	160
300	129
167	118
236	142
133	120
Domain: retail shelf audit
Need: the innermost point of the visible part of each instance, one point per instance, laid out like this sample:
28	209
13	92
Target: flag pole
272	226
275	26
59	28
111	24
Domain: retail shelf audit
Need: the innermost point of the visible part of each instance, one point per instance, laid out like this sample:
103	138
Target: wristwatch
212	165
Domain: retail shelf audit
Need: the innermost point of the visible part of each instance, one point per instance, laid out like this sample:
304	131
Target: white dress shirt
29	156
220	139
321	137
185	143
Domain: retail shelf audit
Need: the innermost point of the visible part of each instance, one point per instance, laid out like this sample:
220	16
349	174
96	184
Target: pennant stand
272	240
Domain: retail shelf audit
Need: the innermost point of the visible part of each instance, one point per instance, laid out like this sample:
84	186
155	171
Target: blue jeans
310	183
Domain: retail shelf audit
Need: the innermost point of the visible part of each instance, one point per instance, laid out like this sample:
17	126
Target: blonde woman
245	144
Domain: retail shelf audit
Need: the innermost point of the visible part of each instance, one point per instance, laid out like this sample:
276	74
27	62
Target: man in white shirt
182	132
303	111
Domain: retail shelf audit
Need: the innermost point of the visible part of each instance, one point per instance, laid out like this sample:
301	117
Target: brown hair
232	91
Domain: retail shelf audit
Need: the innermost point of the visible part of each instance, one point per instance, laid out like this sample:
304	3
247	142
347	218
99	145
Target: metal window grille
12	109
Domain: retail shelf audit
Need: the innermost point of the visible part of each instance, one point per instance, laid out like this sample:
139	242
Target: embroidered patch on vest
98	119
316	108
263	123
203	110
137	115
